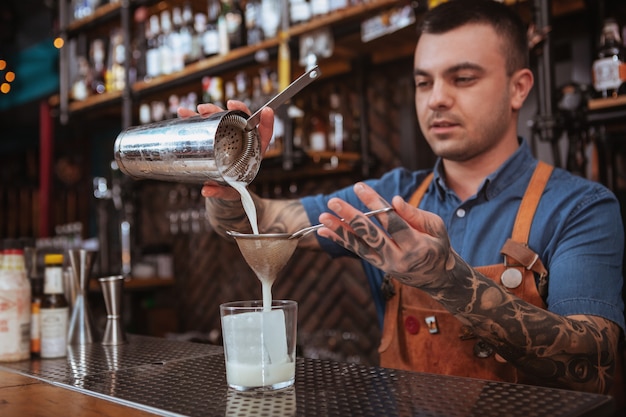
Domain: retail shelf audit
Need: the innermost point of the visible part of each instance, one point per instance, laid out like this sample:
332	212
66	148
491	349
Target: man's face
462	92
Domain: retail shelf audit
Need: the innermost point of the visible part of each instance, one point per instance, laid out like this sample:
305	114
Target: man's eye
422	83
464	80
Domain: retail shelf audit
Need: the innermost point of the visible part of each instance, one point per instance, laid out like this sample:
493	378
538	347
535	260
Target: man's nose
440	96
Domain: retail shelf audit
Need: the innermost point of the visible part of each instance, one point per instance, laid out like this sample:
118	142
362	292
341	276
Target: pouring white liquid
266	257
266	276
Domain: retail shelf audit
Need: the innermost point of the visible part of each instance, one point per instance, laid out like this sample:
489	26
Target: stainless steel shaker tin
191	150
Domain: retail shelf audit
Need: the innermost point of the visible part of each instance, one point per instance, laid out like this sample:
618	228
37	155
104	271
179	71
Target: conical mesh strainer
266	254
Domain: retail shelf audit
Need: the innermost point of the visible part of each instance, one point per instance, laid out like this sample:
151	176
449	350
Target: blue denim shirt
577	230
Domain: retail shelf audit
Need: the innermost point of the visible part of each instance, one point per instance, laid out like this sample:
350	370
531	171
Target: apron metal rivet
511	278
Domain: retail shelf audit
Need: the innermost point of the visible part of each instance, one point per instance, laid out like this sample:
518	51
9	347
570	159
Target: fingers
184	112
266	127
214	190
206	109
420	220
352	219
237	105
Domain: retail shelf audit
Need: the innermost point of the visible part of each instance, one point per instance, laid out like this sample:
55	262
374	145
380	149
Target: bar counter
153	376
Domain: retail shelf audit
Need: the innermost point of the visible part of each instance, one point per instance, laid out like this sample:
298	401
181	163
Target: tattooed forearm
226	215
273	216
561	351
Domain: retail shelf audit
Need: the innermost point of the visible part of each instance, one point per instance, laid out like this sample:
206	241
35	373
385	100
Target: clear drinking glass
259	344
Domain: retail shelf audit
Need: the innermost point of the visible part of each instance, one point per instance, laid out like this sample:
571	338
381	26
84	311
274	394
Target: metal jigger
81	329
112	290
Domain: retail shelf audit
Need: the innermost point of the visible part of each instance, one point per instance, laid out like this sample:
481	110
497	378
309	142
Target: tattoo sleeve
274	216
560	351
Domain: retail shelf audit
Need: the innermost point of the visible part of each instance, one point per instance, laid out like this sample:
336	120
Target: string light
8	76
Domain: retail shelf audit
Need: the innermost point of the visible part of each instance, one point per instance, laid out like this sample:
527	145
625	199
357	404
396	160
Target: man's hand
412	246
265	127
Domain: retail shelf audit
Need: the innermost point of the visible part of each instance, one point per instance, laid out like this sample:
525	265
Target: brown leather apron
420	335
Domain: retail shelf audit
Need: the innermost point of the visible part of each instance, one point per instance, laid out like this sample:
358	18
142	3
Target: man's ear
521	83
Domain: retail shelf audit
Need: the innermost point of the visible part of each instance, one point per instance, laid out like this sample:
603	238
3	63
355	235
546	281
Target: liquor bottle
80	88
209	27
242	88
176	41
165	48
256	100
15	296
230	90
609	69
98	69
35	315
209	35
271	17
337	5
299	11
254	31
319	8
54	309
188	36
153	55
117	57
318	134
35	277
137	70
336	131
233	18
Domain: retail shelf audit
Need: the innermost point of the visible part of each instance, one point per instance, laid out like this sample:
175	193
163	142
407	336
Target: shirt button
412	325
460	213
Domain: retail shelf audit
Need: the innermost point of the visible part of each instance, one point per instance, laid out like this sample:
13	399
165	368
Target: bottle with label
188	36
232	18
211	38
153	54
165	44
609	68
35	316
35	276
54	309
14	304
176	41
115	75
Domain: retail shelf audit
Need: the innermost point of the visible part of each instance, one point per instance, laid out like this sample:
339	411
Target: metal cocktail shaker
200	148
191	150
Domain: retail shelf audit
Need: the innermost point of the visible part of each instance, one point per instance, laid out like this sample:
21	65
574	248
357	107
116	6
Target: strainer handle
290	91
302	232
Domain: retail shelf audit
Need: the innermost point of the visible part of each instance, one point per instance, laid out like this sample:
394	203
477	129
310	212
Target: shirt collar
498	180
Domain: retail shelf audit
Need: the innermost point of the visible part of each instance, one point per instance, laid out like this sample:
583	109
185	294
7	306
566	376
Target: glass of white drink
259	344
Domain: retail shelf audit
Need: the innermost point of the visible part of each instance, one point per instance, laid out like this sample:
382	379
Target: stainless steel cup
220	146
191	150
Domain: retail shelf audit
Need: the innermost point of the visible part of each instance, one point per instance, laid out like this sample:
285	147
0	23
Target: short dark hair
504	20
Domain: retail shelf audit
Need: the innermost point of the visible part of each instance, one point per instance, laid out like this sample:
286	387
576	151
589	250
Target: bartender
493	264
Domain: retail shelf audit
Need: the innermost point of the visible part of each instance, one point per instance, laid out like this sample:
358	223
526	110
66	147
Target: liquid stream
266	277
